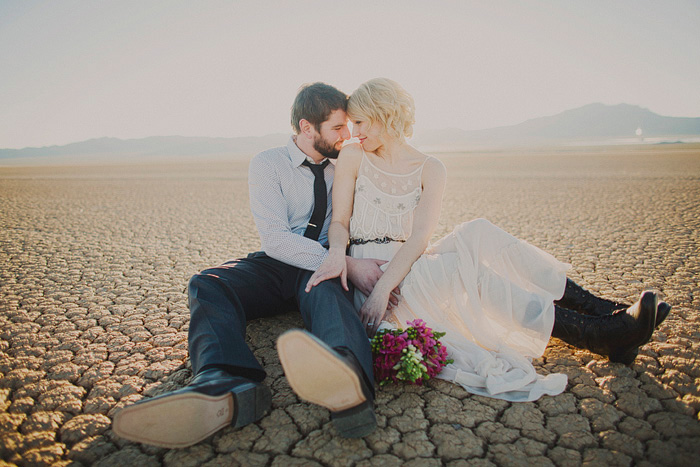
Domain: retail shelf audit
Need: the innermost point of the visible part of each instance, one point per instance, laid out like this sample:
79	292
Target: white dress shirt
282	200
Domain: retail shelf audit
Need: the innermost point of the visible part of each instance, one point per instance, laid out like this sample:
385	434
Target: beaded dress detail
384	203
492	293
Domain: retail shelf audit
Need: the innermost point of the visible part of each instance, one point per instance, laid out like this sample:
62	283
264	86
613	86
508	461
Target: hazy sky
74	70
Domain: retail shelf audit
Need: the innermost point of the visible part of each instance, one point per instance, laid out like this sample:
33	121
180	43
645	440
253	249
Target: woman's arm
338	232
425	220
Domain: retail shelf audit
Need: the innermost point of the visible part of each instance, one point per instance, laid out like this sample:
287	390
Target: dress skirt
493	295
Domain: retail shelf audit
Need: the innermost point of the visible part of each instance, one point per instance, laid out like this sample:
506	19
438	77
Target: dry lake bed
94	261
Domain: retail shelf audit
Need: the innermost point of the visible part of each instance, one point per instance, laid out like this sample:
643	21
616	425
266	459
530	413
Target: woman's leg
579	299
618	335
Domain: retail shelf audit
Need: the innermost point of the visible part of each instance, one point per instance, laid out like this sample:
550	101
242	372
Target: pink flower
412	355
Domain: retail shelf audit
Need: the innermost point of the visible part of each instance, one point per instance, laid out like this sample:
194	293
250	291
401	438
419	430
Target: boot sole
649	300
181	420
317	374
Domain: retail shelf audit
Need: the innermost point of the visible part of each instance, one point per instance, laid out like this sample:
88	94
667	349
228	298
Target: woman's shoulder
351	154
351	150
434	163
430	163
433	168
350	157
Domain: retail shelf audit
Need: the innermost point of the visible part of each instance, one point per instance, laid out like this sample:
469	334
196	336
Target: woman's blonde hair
385	101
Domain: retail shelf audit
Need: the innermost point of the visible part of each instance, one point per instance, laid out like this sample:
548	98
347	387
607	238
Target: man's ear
306	128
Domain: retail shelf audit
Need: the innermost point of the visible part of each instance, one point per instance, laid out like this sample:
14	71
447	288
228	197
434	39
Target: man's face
334	131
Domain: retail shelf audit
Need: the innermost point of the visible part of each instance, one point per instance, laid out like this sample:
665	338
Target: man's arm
269	208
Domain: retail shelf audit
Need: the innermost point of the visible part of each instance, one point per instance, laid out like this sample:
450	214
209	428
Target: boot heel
356	422
626	357
250	402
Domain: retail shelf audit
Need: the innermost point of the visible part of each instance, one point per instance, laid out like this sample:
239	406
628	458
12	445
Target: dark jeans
224	298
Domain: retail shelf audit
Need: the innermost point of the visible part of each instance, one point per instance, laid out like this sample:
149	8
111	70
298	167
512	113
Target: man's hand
364	274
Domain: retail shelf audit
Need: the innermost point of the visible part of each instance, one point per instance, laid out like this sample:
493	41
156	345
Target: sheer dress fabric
489	291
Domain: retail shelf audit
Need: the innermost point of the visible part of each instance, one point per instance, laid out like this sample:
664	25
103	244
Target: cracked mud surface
94	262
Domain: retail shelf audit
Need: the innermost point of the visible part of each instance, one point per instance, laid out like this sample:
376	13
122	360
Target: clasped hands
364	273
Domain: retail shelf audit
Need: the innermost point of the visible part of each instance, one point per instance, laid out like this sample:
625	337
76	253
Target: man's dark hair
315	102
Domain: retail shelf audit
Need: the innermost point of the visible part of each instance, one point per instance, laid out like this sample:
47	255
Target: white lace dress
489	291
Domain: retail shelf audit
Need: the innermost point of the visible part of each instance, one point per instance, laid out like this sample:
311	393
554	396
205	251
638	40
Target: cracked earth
93	315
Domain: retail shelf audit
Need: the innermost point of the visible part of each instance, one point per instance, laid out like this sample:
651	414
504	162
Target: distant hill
594	122
151	147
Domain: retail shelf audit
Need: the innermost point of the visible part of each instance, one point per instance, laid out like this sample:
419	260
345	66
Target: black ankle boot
618	335
579	299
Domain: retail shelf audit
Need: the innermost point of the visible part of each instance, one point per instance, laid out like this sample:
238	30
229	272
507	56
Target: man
330	365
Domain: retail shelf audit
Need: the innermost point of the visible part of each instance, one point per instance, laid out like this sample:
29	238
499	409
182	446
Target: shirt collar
296	155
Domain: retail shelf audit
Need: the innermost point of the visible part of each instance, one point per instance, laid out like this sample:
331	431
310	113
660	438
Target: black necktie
318	216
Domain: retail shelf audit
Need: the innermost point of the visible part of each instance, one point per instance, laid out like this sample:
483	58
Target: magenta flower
413	355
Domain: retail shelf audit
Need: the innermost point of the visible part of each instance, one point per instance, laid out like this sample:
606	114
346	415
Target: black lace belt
362	241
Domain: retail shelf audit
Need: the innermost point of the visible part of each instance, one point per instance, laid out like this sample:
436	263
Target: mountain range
153	146
591	123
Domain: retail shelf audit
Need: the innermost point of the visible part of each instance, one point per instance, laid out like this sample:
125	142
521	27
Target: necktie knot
316	168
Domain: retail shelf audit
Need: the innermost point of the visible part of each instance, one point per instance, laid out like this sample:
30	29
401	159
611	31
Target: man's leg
227	388
332	365
328	312
222	300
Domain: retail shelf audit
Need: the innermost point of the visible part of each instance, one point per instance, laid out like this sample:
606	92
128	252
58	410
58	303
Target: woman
492	293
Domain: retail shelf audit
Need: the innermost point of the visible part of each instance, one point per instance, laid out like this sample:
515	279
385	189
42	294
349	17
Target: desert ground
94	260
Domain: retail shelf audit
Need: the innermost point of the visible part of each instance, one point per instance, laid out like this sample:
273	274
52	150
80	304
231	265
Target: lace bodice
384	203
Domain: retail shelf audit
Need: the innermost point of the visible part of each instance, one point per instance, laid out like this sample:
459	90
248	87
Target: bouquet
413	355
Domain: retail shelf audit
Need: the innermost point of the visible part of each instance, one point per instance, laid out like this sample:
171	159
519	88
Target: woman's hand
333	266
373	311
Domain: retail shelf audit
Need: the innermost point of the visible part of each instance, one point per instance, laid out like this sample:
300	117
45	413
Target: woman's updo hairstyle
385	101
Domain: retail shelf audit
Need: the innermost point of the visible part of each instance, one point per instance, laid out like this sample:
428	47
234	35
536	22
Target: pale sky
75	70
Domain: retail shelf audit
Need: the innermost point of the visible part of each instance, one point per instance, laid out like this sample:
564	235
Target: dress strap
363	161
423	165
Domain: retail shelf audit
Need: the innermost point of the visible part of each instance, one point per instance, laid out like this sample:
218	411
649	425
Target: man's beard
325	149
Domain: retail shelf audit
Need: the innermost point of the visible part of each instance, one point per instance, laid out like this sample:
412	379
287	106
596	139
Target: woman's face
371	136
